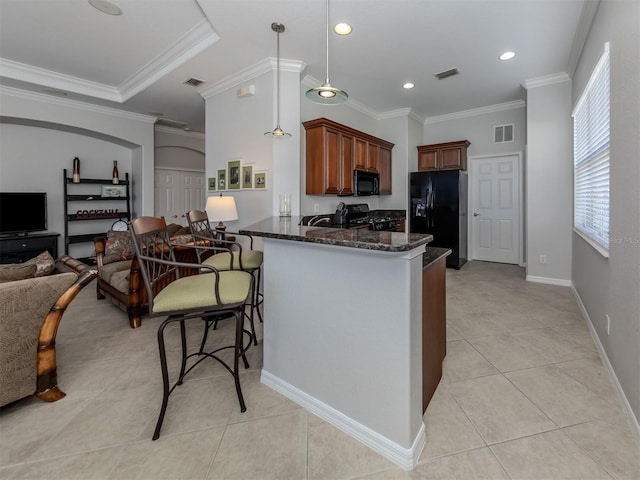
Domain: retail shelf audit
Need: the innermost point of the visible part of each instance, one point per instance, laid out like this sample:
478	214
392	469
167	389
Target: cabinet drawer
25	244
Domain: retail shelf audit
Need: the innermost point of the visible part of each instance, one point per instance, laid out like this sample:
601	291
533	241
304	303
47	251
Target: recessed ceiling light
507	55
408	85
342	28
106	7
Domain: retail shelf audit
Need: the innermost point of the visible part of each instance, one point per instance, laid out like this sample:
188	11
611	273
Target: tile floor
524	396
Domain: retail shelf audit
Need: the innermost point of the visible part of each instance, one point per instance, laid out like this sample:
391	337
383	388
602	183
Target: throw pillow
119	247
16	271
45	264
181	239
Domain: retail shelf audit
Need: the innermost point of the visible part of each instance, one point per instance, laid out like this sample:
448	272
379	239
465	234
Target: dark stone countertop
433	254
288	229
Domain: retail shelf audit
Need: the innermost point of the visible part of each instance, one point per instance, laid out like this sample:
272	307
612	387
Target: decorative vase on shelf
76	170
115	178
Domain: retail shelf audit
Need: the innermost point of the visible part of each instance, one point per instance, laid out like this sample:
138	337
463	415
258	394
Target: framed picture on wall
222	179
211	183
247	176
234	175
260	180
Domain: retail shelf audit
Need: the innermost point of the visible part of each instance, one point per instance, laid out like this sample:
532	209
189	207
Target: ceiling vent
194	82
447	73
167	122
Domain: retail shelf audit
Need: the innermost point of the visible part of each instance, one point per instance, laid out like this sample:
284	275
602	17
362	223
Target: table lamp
222	209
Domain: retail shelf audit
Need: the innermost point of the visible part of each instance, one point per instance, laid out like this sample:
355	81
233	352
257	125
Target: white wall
477	127
179	150
549	180
612	286
32	159
133	131
235	130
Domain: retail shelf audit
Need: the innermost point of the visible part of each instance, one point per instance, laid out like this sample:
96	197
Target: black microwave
366	183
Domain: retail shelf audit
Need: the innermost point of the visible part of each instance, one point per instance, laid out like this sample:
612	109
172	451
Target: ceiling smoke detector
447	73
194	82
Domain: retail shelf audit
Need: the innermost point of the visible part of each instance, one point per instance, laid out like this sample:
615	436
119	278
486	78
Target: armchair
30	312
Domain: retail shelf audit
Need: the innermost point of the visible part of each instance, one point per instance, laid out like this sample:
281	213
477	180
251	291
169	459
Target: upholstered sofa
119	276
30	311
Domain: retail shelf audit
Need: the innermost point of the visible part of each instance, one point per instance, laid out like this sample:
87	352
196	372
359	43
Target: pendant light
278	132
327	94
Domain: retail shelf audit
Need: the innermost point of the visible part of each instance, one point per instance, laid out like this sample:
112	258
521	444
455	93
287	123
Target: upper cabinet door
334	151
443	156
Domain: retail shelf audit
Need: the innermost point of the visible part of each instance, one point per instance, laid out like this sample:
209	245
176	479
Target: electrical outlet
543	259
316	208
606	315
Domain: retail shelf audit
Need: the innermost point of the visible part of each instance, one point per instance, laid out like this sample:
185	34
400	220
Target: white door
495	208
177	192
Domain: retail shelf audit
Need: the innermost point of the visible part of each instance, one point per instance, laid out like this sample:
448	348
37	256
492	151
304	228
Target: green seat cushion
198	291
251	259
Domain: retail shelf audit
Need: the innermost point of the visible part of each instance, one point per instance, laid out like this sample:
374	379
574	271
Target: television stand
21	247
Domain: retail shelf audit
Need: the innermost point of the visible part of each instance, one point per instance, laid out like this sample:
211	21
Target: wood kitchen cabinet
434	320
334	151
443	156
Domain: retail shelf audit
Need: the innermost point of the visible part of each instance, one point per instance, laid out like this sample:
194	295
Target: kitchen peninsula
343	328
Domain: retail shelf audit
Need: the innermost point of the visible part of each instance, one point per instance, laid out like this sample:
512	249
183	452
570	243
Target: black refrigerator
438	205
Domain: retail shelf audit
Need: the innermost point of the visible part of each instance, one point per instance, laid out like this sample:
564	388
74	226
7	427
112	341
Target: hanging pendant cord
326	81
278	79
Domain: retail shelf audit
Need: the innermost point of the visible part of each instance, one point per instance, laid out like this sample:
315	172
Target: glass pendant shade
326	94
277	132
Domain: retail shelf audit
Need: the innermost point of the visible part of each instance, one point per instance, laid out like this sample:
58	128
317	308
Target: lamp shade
221	209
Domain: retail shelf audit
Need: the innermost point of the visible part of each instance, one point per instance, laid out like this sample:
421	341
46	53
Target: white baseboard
626	407
406	458
550	281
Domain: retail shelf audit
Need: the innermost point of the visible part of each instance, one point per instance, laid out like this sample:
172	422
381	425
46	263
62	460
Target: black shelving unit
90	202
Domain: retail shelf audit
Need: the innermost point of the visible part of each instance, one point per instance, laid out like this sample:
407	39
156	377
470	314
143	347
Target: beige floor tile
509	352
110	419
452	333
392	474
474	464
553	346
611	444
25	428
550	455
95	465
562	398
463	362
498	410
332	454
448	430
197	404
592	374
185	456
261	401
266	448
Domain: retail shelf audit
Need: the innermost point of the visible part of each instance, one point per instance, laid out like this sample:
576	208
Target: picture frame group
238	176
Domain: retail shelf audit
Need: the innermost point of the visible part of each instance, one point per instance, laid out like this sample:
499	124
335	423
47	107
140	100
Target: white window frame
591	158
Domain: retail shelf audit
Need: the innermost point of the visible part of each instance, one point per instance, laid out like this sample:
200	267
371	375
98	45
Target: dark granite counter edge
433	254
384	247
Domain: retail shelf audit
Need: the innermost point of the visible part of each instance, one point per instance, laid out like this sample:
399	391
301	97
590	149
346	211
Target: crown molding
251	72
59	81
195	41
401	112
546	80
178	131
199	38
499	107
69	103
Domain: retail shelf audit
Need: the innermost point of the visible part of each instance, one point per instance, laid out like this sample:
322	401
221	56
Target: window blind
591	157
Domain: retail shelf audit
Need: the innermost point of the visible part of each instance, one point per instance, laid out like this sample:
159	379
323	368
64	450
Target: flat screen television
23	212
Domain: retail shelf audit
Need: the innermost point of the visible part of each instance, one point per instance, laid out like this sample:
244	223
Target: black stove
356	215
